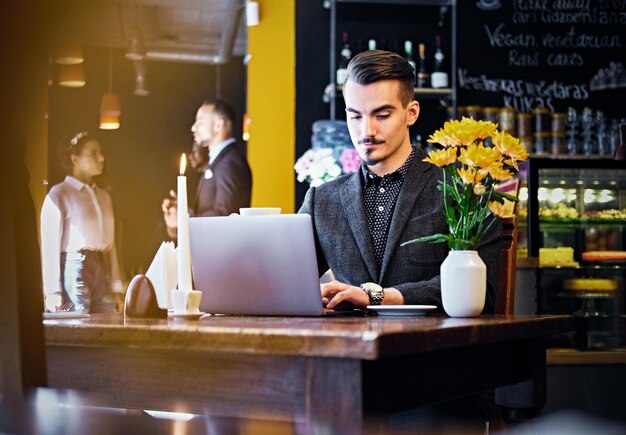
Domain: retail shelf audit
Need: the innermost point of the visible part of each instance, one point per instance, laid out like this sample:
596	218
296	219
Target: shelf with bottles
428	93
399	2
434	85
400	26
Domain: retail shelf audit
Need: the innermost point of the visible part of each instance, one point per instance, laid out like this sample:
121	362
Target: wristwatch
374	291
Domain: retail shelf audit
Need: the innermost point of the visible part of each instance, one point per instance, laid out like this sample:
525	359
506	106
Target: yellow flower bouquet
471	170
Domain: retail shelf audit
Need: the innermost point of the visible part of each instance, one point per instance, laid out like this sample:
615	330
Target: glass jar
541	117
541	141
558	143
473	112
490	114
558	123
506	120
523	124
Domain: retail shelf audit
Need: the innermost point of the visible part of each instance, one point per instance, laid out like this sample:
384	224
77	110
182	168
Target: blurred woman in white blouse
80	265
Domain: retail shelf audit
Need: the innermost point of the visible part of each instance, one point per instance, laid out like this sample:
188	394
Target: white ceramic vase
463	284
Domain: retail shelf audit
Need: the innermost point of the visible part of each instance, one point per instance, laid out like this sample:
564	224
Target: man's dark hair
224	110
375	65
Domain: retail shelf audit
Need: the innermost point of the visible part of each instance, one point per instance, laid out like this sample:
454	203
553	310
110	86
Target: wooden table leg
524	400
334	393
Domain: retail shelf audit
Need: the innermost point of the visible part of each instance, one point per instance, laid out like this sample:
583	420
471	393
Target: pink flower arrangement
350	160
317	166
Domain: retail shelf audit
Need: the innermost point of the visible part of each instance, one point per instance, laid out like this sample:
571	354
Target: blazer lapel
221	155
352	201
412	187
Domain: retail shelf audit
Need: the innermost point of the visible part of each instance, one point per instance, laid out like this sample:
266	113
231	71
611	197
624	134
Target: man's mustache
369	140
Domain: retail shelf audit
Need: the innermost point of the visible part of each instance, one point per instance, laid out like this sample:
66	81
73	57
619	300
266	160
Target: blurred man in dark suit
227	182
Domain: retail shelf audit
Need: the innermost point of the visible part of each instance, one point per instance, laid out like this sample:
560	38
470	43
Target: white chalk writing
517	87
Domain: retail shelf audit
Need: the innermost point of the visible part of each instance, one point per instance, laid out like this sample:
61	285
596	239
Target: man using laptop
361	219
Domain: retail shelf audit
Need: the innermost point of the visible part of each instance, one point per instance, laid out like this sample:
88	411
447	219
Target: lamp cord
110	68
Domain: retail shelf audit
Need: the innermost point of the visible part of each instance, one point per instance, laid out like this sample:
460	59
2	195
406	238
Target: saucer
186	316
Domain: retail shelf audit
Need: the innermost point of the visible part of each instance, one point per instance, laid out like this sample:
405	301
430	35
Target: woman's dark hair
373	66
71	147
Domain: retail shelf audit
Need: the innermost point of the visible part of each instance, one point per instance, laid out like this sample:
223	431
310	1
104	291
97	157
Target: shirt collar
369	176
76	183
219	148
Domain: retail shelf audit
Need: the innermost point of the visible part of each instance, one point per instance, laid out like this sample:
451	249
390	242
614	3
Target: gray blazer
344	244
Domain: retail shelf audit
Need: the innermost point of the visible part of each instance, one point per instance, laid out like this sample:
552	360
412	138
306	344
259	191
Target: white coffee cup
186	301
259	211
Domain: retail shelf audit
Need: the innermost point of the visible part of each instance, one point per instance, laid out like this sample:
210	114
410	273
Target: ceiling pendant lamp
109	122
110	107
70	53
72	75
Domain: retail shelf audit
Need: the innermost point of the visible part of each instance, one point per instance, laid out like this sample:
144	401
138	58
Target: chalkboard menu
553	54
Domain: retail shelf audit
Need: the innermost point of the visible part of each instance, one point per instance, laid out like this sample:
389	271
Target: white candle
184	256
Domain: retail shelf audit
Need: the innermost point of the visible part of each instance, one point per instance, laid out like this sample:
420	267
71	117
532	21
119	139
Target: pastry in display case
576	225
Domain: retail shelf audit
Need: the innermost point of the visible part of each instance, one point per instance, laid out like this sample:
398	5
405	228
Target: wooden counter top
367	338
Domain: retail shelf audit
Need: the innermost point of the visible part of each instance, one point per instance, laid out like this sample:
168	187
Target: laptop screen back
259	265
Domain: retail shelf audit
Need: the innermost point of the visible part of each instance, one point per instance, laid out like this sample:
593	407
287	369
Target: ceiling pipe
232	19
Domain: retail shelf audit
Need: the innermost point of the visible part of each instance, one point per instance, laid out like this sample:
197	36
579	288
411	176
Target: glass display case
576	227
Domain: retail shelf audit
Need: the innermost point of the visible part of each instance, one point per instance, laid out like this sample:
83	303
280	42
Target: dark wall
311	75
142	157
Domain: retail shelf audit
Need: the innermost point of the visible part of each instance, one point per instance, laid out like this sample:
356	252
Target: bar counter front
335	369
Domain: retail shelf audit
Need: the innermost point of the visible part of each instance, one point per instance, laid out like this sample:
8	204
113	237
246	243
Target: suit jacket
228	189
344	243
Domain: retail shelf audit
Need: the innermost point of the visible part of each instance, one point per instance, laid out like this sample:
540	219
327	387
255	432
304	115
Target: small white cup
259	211
186	301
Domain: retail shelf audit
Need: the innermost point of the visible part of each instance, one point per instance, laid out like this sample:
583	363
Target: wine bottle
346	55
439	78
422	74
408	53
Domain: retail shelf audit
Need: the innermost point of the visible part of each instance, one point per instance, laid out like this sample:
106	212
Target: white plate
186	316
401	310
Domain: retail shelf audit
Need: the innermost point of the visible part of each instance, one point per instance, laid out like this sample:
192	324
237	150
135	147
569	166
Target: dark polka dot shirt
380	194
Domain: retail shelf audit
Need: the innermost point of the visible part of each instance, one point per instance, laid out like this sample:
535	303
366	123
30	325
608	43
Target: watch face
371	286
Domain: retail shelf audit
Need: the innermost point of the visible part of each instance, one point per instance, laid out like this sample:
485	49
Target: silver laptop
258	265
